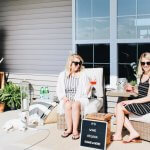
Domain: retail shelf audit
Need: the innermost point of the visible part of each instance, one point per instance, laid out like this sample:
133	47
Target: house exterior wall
36	35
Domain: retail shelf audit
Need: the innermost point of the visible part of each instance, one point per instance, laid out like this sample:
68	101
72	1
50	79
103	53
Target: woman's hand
129	88
65	99
124	103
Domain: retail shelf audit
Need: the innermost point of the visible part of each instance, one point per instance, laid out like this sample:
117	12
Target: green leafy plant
133	82
134	67
11	95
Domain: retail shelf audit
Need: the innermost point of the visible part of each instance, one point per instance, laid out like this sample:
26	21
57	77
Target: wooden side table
116	93
2	80
115	96
102	117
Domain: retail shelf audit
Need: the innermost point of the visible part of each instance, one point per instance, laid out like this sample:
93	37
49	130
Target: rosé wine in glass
93	82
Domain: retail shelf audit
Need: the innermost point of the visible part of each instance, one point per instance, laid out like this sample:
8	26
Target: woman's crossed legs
122	120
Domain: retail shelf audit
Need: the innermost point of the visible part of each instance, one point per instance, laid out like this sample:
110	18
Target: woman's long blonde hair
145	55
69	63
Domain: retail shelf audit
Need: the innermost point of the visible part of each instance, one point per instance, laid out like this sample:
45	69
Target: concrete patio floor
17	140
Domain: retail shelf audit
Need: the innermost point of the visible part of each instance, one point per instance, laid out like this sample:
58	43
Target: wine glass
93	89
121	83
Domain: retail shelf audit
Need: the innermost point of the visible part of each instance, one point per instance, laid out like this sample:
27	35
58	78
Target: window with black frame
128	54
96	55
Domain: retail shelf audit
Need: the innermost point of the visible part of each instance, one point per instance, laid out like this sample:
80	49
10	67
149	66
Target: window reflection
100	8
143	27
84	29
126	27
101	28
83	9
92	19
126	71
143	7
127	53
126	7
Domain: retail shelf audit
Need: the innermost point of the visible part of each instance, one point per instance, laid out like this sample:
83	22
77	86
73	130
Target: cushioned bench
142	125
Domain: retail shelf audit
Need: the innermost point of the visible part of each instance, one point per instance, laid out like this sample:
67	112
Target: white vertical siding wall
37	81
38	35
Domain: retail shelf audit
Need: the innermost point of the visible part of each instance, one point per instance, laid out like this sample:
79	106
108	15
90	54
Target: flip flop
75	137
135	140
65	134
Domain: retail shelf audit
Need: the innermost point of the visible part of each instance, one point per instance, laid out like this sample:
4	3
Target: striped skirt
139	108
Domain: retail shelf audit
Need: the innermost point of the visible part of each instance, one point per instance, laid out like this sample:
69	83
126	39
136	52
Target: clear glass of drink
93	89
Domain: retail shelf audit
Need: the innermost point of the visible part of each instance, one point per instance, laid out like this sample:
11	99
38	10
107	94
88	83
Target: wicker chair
143	128
142	125
96	104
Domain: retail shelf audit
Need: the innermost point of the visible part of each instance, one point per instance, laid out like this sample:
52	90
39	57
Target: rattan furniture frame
143	129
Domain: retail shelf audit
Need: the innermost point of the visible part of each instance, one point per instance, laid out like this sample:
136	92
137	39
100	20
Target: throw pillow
52	116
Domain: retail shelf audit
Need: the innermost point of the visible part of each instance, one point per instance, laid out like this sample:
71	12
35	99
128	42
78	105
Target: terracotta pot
2	106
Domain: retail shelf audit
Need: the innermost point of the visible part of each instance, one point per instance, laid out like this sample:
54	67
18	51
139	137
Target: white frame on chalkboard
105	133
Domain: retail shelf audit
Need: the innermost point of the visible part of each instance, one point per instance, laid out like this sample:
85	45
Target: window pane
143	48
126	27
126	7
143	27
143	6
84	29
100	8
126	71
127	53
88	65
106	71
101	28
83	8
101	53
86	52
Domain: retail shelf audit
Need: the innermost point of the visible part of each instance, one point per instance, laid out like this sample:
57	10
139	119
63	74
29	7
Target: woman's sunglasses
145	63
77	63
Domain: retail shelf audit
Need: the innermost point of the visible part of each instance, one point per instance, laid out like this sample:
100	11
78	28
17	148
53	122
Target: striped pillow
41	108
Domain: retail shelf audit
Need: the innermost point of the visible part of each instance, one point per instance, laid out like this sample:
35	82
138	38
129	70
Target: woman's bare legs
133	133
120	122
123	120
68	116
76	109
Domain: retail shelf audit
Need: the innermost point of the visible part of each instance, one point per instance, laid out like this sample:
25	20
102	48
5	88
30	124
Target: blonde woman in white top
71	90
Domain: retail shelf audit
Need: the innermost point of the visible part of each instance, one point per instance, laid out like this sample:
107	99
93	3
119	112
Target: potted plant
11	96
134	67
2	103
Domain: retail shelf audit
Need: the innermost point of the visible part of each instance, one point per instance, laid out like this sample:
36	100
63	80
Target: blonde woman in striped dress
138	106
71	90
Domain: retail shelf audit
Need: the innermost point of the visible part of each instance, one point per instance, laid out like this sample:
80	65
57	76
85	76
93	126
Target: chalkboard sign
94	134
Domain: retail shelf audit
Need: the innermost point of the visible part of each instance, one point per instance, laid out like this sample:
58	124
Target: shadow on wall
2	48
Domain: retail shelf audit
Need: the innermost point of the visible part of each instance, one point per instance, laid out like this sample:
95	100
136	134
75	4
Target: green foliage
11	95
133	82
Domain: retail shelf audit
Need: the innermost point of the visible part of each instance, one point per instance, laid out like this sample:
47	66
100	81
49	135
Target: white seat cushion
94	106
98	74
144	118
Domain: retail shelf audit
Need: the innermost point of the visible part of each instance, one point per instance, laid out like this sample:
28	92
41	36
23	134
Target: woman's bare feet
76	135
66	133
134	137
116	137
